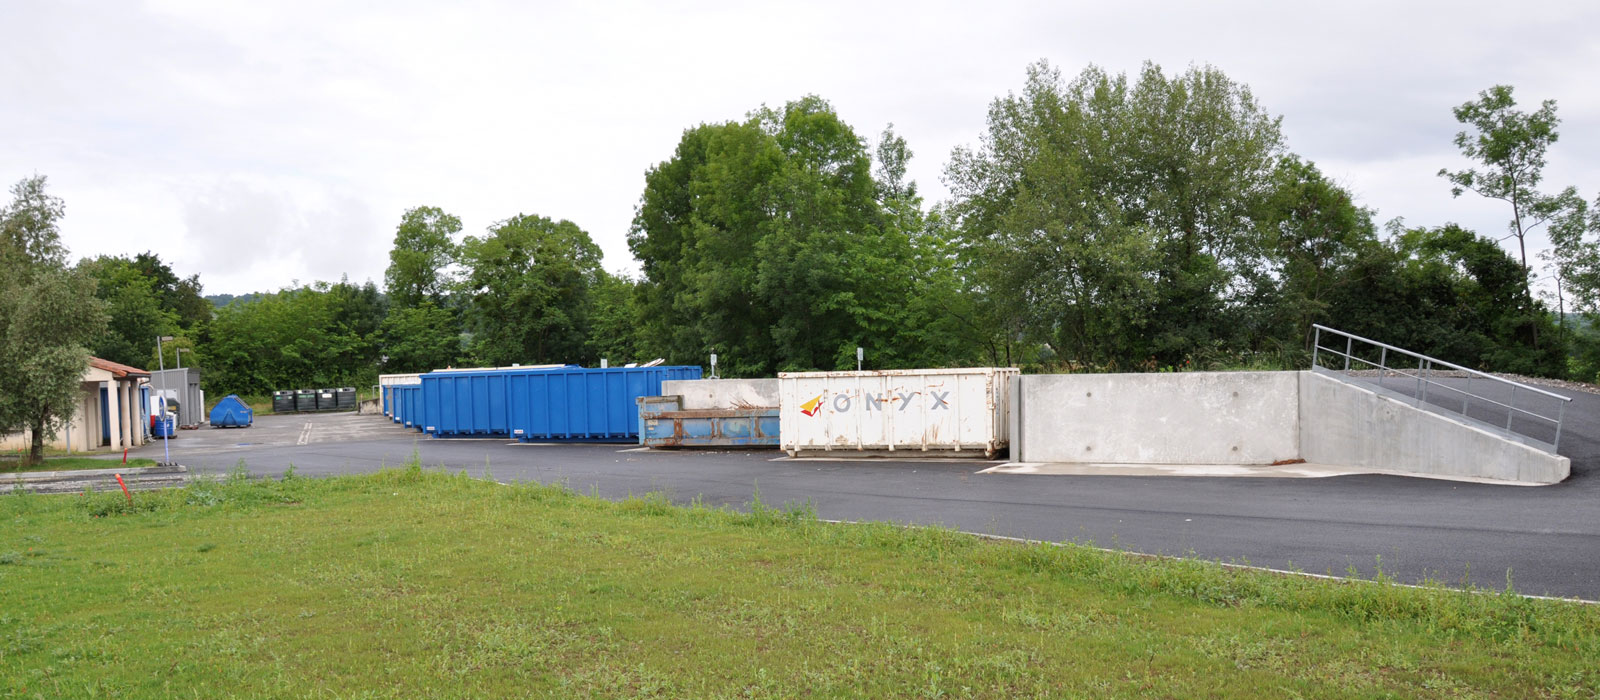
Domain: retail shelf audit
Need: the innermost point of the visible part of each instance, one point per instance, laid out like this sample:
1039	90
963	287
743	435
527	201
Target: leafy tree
419	338
29	237
180	296
526	287
694	234
316	336
770	242
1463	297
48	315
137	315
614	320
423	248
1510	145
1312	232
1112	221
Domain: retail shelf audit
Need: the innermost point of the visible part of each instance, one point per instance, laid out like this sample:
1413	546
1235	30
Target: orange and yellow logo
811	407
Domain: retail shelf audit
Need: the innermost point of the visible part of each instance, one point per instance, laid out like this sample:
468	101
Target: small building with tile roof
112	413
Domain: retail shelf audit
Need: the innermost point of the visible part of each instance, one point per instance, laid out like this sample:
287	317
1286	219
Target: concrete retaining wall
1183	418
723	393
1346	425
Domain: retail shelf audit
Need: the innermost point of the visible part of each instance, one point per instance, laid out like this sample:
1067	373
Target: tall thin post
1511	408
1348	347
1316	345
166	435
1420	390
1561	417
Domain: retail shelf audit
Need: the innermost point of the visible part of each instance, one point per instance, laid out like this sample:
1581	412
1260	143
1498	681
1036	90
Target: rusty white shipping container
957	410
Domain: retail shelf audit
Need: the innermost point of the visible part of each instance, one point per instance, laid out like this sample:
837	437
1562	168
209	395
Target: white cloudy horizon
259	145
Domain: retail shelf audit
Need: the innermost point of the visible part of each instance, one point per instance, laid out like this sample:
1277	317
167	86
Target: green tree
29	236
1113	222
48	316
1463	297
137	314
1312	233
1510	145
614	320
525	289
770	242
315	336
419	338
179	295
424	248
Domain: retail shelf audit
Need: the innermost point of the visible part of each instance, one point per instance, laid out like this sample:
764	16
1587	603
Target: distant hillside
221	300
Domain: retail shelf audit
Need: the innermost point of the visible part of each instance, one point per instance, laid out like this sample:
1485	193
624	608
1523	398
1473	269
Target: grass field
414	583
9	464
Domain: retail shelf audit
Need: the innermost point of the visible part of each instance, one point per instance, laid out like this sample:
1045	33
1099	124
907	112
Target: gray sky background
263	143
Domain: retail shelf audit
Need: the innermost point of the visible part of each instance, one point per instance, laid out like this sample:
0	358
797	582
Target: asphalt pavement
1545	539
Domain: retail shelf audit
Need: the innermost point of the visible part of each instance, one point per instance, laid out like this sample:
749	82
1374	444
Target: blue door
105	417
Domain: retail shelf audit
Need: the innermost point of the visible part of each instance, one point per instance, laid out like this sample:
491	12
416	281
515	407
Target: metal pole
1425	382
1420	360
1347	349
1383	363
1561	417
1511	408
166	437
1316	344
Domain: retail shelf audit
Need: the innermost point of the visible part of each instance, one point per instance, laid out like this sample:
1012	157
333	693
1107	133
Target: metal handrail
1425	364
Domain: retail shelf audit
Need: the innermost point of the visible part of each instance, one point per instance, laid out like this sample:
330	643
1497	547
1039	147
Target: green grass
415	583
9	465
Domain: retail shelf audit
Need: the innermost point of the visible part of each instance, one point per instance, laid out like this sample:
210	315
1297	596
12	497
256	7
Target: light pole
183	385
166	435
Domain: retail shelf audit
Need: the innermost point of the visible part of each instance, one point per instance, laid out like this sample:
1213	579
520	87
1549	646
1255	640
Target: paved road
1548	537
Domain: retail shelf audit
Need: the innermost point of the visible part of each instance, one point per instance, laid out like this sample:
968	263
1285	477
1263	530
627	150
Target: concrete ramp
1108	423
1346	424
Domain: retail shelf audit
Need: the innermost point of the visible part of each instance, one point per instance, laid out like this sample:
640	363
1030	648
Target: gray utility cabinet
183	386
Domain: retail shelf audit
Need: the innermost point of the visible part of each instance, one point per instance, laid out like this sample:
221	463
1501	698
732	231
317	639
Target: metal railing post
1422	389
1316	345
1383	364
1511	408
1561	417
1348	341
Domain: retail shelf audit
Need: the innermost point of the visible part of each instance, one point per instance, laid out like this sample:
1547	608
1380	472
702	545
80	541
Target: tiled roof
117	369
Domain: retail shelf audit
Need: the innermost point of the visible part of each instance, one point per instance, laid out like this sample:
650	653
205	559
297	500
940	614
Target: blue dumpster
550	403
402	405
231	412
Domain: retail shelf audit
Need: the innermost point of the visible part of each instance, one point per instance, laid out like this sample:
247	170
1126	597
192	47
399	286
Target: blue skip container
555	403
231	412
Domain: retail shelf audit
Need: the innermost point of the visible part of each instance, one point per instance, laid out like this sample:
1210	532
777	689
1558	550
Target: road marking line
305	435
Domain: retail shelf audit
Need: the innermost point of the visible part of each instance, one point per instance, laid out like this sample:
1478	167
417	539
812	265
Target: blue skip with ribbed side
231	412
540	404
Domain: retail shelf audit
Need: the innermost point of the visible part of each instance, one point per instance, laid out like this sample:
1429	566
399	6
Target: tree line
1106	222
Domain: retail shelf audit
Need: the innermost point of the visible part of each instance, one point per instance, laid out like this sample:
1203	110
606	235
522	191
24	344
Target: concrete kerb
84	474
77	480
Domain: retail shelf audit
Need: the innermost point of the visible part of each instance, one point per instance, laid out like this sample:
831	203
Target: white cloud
257	143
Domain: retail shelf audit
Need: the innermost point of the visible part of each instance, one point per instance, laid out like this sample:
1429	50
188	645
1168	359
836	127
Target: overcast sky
262	143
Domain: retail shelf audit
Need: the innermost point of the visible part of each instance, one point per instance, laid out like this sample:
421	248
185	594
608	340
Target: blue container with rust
665	423
547	403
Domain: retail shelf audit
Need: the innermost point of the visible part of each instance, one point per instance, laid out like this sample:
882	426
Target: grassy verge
415	583
50	464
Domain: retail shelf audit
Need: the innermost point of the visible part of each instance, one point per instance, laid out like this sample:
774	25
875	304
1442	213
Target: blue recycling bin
165	426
